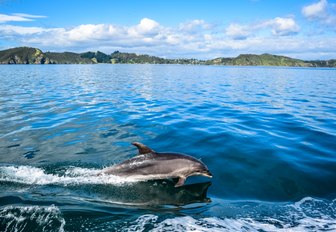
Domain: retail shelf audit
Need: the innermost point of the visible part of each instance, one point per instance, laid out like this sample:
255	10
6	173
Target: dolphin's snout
207	173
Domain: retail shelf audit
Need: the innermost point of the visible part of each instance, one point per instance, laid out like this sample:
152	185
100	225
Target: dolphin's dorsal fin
143	149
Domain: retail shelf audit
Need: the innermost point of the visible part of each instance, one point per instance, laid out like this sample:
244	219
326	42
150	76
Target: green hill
132	58
323	63
66	58
27	55
97	57
259	60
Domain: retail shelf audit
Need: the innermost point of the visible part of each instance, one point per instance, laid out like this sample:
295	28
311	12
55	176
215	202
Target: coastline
28	55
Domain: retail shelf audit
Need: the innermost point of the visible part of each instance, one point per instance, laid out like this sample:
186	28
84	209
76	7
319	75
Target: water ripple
266	133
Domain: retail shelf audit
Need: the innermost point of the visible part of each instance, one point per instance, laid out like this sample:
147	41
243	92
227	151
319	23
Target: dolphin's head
206	173
199	168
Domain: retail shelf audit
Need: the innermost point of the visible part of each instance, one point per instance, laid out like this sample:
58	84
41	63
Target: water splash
31	218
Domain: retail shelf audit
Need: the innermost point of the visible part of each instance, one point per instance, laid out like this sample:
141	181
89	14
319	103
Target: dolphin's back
163	165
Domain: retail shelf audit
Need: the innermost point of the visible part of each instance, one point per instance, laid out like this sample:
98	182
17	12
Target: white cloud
18	17
278	26
29	15
321	11
145	27
315	10
147	33
237	31
20	31
88	32
195	25
283	26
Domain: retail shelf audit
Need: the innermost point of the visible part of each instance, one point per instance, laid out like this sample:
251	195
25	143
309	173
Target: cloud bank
195	38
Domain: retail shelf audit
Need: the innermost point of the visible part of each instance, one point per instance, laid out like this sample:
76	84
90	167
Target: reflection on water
151	193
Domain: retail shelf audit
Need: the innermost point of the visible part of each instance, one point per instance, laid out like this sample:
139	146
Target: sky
203	29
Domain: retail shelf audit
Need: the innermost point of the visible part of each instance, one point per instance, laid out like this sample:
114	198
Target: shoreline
28	55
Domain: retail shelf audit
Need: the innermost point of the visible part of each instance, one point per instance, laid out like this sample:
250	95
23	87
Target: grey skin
151	165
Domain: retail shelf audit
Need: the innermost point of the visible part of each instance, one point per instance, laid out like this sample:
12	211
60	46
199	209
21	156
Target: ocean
267	134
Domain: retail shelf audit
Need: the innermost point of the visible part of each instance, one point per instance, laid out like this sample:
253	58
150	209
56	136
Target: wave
244	224
71	176
31	218
308	214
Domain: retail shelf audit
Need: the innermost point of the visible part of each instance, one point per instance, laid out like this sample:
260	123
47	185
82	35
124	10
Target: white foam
16	218
38	176
188	223
141	223
215	224
308	214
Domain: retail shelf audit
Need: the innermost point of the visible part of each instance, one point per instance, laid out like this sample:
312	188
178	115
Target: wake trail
72	176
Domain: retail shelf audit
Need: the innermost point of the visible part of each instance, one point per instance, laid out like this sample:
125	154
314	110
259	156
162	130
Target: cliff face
22	56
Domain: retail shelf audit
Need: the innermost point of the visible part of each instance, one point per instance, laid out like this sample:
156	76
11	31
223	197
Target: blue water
267	134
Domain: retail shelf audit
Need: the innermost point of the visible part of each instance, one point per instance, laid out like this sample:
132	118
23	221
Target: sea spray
31	218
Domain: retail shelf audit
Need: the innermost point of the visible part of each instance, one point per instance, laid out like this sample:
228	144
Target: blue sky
200	28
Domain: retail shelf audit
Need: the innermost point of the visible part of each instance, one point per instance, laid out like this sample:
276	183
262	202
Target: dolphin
151	165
